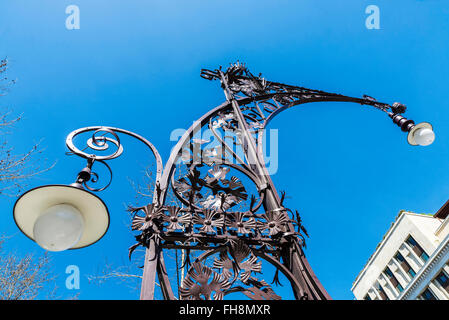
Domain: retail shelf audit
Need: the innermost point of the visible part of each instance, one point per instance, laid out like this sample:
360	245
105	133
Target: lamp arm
154	259
101	142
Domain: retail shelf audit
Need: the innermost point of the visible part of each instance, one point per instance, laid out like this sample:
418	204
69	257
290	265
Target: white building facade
411	262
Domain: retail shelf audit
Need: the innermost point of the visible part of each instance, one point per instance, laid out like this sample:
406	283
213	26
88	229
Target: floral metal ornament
243	222
220	202
214	155
212	191
275	222
152	213
190	186
238	259
176	219
202	283
217	173
208	220
235	188
259	290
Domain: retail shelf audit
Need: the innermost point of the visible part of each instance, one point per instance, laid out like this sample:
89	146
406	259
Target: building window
393	279
443	280
417	248
367	297
381	292
404	264
428	295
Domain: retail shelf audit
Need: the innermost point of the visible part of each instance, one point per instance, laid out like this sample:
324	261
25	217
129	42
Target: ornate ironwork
232	271
220	215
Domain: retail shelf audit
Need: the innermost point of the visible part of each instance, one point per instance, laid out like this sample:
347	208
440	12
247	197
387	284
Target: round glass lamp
421	134
61	217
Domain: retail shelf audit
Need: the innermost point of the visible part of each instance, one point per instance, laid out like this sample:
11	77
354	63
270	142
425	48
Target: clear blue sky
135	64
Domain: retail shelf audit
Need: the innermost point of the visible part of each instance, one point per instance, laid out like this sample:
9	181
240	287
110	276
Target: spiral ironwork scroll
95	178
101	142
98	142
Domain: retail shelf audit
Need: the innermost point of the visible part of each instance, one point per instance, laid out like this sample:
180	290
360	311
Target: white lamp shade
421	134
36	202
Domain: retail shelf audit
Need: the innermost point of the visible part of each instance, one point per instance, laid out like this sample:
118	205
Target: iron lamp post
60	217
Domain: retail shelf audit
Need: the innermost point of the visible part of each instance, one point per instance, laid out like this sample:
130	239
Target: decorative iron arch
207	219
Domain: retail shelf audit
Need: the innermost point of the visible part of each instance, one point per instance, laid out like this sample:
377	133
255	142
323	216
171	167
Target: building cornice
439	253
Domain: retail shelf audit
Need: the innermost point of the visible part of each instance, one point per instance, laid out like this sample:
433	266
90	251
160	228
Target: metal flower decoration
243	222
202	283
275	222
190	185
152	213
243	262
176	219
208	219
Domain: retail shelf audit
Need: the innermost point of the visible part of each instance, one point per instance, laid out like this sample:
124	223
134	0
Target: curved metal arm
100	142
255	102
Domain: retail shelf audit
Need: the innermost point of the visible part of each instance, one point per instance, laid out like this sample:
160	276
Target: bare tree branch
25	278
15	169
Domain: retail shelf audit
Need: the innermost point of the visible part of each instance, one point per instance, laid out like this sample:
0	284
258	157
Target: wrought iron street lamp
60	217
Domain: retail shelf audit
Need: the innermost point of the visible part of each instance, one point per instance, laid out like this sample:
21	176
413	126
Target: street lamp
60	217
420	134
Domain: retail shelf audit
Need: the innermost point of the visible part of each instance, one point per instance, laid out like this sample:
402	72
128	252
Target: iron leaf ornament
202	283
